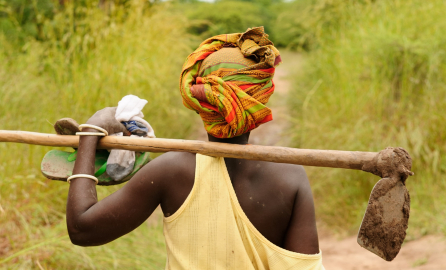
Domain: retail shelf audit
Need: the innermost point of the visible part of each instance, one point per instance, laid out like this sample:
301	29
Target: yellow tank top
211	231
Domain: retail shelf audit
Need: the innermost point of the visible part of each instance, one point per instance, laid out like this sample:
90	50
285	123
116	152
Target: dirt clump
391	163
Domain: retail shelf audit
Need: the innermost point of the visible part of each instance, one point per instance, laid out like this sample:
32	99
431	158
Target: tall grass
375	77
87	58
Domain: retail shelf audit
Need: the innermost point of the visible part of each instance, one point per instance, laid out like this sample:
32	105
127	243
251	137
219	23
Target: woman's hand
105	119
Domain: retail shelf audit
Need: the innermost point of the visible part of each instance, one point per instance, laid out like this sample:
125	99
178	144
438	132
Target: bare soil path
426	253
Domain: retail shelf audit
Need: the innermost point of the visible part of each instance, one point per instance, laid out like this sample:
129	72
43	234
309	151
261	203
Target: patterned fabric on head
228	81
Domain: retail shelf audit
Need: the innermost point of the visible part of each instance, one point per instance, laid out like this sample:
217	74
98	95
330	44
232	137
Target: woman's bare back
275	197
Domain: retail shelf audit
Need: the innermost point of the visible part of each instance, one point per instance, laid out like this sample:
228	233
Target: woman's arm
82	193
302	232
90	222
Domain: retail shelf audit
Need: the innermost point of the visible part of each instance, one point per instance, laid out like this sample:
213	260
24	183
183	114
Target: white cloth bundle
120	163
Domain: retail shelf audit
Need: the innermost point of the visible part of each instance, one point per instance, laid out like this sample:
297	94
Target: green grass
83	64
375	77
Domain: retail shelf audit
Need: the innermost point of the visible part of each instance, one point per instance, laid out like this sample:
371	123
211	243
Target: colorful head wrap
230	92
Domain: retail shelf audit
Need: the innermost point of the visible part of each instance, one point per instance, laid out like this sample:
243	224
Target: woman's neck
233	164
242	139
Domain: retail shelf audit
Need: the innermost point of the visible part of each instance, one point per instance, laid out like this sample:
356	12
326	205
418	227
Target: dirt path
427	253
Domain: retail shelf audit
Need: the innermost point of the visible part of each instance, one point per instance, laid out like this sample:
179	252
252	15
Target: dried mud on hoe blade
385	222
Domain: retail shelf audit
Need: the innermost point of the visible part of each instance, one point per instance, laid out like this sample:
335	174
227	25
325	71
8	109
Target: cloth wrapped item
228	81
136	128
120	163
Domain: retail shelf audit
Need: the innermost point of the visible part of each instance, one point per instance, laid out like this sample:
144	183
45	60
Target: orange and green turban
228	81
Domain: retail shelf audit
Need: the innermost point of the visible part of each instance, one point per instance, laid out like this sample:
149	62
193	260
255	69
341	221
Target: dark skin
276	197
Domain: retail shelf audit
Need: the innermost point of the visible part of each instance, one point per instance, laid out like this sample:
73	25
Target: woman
218	213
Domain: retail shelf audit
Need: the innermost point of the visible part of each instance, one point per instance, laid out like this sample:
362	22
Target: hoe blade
384	225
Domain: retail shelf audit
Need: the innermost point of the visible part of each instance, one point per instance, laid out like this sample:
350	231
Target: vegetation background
374	76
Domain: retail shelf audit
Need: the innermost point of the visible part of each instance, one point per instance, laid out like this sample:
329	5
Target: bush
222	17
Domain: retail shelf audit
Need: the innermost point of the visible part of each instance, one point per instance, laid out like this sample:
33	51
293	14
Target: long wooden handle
306	157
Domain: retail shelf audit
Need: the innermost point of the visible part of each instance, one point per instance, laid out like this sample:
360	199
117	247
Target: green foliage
300	24
86	61
375	79
20	18
210	19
